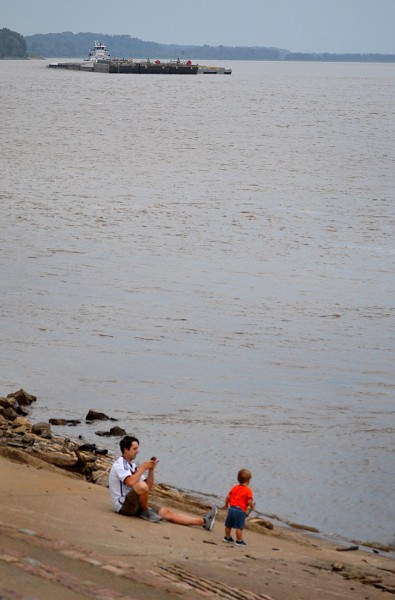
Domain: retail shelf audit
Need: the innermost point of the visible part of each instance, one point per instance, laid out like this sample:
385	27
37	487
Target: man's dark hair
127	441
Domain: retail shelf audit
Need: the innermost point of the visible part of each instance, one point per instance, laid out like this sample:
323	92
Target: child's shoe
240	543
228	540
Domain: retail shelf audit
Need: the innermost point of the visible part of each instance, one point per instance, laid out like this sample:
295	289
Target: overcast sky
358	26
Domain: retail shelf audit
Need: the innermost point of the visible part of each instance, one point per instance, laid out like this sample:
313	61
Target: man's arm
150	479
131	480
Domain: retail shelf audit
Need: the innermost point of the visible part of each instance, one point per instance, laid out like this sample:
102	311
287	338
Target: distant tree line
12	44
70	45
77	45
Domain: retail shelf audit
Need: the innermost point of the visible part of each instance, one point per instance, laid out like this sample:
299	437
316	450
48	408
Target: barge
99	61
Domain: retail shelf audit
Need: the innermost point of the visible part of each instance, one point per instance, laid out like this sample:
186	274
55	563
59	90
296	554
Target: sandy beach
60	539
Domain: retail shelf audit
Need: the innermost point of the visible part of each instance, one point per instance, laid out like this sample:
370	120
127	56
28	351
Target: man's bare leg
180	518
141	490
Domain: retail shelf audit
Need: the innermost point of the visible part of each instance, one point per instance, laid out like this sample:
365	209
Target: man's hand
151	464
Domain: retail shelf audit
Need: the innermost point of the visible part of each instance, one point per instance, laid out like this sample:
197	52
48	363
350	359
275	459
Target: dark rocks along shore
38	441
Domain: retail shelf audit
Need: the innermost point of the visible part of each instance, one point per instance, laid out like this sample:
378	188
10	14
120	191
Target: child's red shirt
239	496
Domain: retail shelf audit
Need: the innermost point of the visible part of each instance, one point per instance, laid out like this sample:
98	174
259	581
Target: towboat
99	53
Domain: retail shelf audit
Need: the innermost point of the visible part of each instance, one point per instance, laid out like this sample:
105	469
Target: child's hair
243	476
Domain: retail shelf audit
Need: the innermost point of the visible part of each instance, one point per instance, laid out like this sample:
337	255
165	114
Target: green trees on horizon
12	44
77	45
71	45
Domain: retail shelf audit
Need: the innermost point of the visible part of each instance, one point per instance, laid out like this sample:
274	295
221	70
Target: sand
60	539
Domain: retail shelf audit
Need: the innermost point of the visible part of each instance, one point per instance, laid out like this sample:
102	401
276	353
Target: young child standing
239	503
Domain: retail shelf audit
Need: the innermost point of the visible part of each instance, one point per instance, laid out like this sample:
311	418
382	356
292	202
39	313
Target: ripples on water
211	260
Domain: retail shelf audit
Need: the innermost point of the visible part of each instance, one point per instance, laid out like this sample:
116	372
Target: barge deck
142	67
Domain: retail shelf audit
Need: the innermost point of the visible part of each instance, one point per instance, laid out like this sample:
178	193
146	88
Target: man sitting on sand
130	487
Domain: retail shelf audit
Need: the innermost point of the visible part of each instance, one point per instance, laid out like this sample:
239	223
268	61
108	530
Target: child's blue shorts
236	518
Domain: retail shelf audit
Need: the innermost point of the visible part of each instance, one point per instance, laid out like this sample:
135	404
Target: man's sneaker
209	519
240	543
150	515
228	540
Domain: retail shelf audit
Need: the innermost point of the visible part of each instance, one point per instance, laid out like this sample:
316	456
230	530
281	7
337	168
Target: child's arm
226	503
250	507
